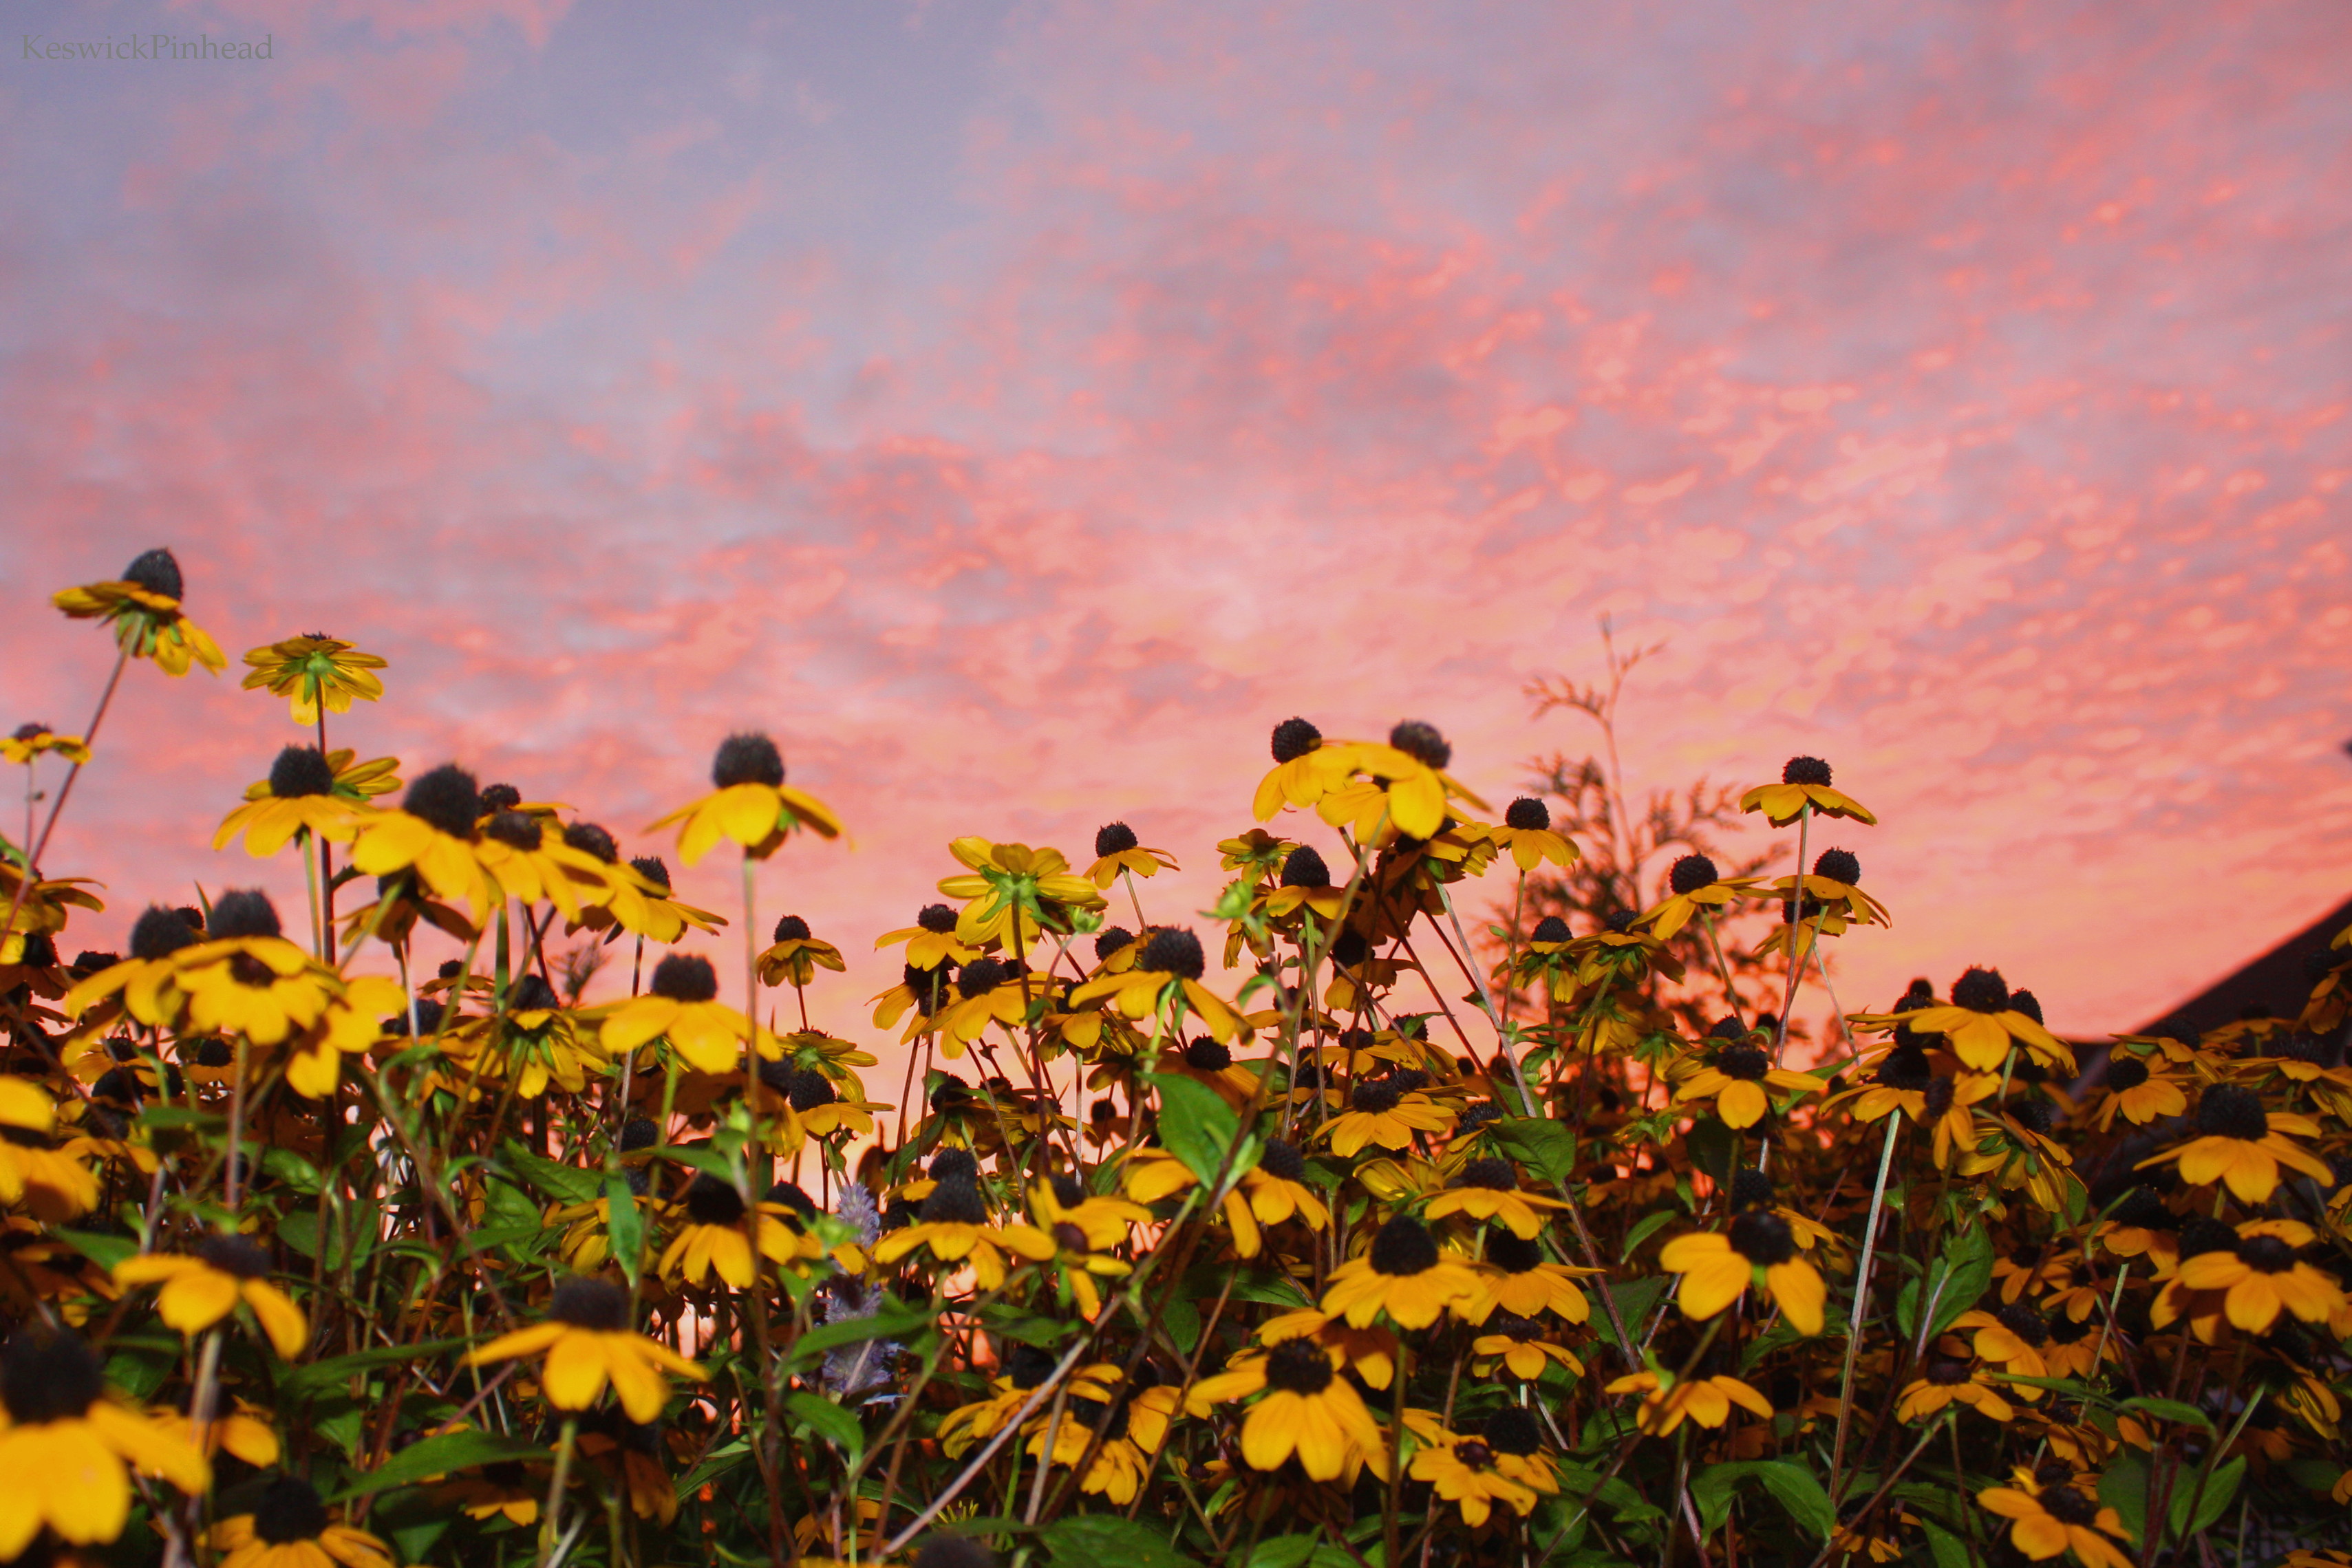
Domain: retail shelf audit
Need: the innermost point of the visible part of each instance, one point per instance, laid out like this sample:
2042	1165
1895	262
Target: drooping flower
143	607
587	1344
312	670
1757	1249
1804	782
202	1288
751	804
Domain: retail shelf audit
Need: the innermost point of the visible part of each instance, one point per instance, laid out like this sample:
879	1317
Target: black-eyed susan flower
1945	1381
1528	833
1834	887
680	1004
2140	1096
587	1344
143	607
749	804
1304	883
1756	1249
797	954
1209	1062
526	856
202	1288
1385	1112
1306	769
435	833
711	1236
1169	964
1122	1423
1667	1401
1405	1277
289	1527
297	797
314	670
2261	1277
55	1184
2013	1337
246	978
1804	783
1084	1229
1523	1345
1488	1188
931	940
1736	1080
1515	1276
1405	788
1463	1471
1013	894
952	1226
1303	1409
1117	850
67	1449
2240	1144
2050	1521
505	1488
642	901
1694	883
1982	1025
28	741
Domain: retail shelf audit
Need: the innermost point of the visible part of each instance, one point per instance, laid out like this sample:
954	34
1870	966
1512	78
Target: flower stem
33	852
555	1485
1861	1297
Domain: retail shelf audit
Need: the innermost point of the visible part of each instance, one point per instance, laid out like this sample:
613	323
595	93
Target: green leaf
2170	1410
1181	1318
1248	1285
894	1319
1543	1145
2220	1491
829	1421
720	1461
709	1161
1634	1298
1714	1148
307	1382
624	1225
1090	1540
105	1252
1648	1225
558	1183
161	1117
439	1456
1790	1484
292	1169
1195	1124
2124	1488
1946	1549
300	1231
1297	1551
1961	1273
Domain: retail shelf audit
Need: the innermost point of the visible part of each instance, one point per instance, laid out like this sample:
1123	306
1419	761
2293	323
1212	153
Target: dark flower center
1947	1373
1294	738
1981	991
1304	867
1839	866
2143	1210
2228	1112
47	1375
1512	1254
949	1164
953	1094
1205	1055
2024	1323
2204	1235
1513	1429
586	1303
1114	838
1350	949
1378	1096
159	932
811	1089
713	1202
685	977
289	1510
516	829
1110	940
496	798
639	1133
157	571
2266	1254
981	976
1475	1453
1691	873
1762	1237
1527	814
247	912
792	928
1493	1174
1421	743
2125	1073
1299	1366
448	798
531	994
1746	1062
955	1201
1027	1366
1905	1067
1483	1113
1751	1188
653	868
1937	1096
791	1194
216	1051
38	952
1550	928
1069	1238
1403	1247
1068	1191
1806	771
1282	1161
592	840
935	918
2029	1004
2068	1506
235	1255
300	770
1172	949
2035	1114
749	757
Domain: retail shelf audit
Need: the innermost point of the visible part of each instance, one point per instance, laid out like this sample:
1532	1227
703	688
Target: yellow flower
2141	1095
589	1344
1012	893
1832	890
1169	964
290	1528
1305	1410
31	740
1666	1404
931	940
681	1005
2261	1277
1304	883
752	805
1465	1472
53	1185
1736	1082
1381	1114
1520	1344
1516	1278
1117	850
200	1290
1758	1248
1982	1026
143	607
1405	1277
797	954
1946	1380
67	1451
713	1237
1489	1189
436	833
1084	1229
1405	790
312	669
953	1226
1526	831
1804	782
2243	1146
2054	1519
299	796
1306	769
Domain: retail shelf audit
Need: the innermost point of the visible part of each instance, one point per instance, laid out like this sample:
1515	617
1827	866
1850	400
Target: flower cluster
483	1209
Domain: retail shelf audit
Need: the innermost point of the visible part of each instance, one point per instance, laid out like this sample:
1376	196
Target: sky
1017	408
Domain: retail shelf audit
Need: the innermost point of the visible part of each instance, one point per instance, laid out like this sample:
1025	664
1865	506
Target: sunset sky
1016	409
